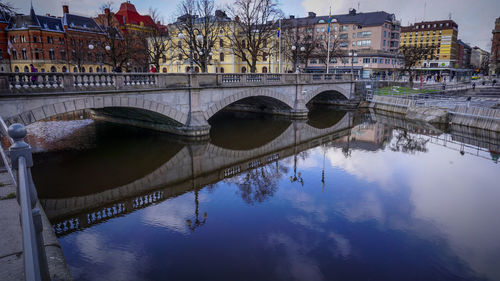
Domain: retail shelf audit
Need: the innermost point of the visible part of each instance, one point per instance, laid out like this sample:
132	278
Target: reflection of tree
256	185
408	143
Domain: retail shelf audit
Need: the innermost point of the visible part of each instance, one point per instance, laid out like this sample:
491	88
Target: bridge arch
52	108
326	88
248	93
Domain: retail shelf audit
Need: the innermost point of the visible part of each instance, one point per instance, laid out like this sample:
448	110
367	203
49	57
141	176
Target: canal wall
11	244
477	117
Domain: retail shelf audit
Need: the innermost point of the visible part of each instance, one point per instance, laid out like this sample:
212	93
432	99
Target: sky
475	19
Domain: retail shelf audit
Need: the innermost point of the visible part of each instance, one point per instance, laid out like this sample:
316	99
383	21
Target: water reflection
383	200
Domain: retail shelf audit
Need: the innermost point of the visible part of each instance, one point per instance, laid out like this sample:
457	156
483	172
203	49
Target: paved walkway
11	249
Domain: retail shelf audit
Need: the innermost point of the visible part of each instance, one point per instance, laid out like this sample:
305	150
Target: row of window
64	69
364	60
37	39
422	39
421	33
433	25
52	56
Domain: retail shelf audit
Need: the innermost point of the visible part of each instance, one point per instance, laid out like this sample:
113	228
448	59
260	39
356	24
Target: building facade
51	44
479	60
495	49
371	38
464	53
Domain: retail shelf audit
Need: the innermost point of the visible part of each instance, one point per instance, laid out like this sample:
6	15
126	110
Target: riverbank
478	114
11	247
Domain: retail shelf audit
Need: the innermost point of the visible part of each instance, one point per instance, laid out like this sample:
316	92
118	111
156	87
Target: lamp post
294	48
107	48
199	38
352	54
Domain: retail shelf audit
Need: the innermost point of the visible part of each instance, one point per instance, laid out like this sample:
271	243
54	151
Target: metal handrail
35	260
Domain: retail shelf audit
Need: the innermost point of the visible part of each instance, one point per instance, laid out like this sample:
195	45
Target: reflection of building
370	137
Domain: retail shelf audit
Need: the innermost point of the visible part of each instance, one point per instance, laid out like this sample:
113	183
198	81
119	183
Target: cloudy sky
475	18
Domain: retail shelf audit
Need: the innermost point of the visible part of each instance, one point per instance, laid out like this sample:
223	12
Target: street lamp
352	54
199	38
302	49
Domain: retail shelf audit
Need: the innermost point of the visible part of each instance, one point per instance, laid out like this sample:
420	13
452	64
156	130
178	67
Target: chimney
65	9
352	12
158	23
292	17
106	11
311	15
47	15
236	18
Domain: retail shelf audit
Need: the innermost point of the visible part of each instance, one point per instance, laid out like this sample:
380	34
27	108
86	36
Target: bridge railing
35	260
38	82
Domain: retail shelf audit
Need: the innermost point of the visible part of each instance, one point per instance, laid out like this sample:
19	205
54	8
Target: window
374	60
333	60
243	44
344	36
355	60
222	70
221	43
61	40
179	44
364	34
51	54
37	55
364	43
14	54
164	70
384	43
24	54
179	57
343	28
23	39
354	35
366	60
343	44
34	38
221	57
50	39
345	60
385	33
264	56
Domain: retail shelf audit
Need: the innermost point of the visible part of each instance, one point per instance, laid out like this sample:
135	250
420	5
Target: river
341	196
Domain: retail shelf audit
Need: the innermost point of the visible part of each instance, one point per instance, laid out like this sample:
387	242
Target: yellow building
221	58
441	34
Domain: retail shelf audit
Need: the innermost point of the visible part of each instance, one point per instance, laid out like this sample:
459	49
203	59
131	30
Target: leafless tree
253	28
200	23
6	8
114	46
413	55
158	42
78	51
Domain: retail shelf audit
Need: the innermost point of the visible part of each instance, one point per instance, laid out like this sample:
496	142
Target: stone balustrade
12	83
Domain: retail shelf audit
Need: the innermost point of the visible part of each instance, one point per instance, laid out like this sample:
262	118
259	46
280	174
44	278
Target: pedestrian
473	86
494	82
33	70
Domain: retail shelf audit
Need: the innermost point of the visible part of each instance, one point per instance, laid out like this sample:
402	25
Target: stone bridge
194	167
176	103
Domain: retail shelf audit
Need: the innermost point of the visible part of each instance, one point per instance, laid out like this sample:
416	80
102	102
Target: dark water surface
342	196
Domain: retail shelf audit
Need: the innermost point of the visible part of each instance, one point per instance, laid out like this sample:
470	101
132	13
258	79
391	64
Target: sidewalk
11	249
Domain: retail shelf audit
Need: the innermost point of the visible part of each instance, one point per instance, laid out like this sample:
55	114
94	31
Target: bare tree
114	46
200	25
157	43
413	55
79	51
6	9
253	26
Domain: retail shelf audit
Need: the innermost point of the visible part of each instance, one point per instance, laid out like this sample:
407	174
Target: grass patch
9	196
396	90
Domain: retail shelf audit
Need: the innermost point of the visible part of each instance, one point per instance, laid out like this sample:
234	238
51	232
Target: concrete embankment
11	246
477	117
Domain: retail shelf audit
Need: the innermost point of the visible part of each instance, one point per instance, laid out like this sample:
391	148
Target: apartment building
443	35
495	49
371	38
